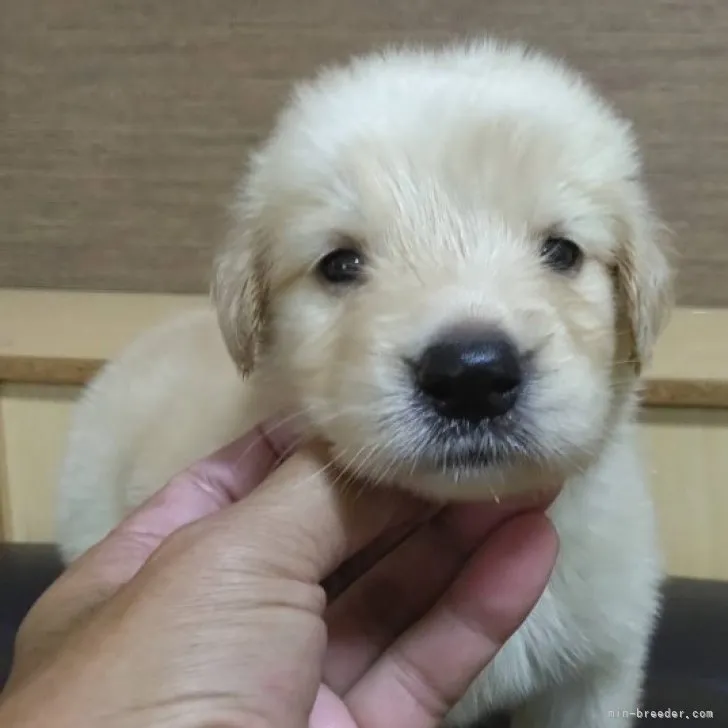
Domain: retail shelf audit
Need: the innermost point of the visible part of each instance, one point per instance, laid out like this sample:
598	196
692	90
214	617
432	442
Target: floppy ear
240	288
644	279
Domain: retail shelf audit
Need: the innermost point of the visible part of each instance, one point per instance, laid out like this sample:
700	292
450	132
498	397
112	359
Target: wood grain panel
688	454
4	483
124	125
36	423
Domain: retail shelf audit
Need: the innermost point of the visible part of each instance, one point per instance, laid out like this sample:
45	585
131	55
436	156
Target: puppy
445	264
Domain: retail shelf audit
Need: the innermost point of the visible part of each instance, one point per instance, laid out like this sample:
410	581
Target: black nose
470	375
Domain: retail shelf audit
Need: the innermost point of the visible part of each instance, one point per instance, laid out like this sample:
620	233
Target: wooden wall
58	339
124	125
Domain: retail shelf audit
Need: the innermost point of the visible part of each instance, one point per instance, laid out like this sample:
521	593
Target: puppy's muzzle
470	374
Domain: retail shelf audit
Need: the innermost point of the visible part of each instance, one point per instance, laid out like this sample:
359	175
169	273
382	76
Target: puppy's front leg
597	699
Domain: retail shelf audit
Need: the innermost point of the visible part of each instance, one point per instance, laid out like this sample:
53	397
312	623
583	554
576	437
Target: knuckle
419	687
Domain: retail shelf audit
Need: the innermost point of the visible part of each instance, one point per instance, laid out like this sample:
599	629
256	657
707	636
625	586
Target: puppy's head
446	263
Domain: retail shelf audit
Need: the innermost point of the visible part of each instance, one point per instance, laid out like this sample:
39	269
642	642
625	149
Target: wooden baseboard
5	530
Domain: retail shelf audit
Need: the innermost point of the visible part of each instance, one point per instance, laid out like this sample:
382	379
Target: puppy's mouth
468	459
469	448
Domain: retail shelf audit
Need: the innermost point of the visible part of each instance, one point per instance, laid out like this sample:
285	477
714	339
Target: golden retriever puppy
446	265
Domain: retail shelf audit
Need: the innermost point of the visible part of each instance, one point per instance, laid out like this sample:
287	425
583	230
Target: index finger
429	668
208	486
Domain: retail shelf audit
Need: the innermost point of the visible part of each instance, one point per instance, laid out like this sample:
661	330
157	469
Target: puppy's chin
497	484
480	479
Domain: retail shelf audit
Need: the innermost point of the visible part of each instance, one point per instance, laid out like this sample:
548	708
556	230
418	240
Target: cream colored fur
448	167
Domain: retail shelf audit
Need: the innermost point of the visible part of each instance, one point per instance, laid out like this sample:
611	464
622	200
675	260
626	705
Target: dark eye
341	266
561	254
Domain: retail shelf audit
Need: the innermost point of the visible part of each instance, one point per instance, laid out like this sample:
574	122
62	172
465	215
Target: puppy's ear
241	289
644	278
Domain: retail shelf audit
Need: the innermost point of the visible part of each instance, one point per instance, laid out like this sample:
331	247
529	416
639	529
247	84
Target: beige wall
688	454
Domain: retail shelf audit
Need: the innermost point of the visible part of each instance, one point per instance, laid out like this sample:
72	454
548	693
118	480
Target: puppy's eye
561	254
341	266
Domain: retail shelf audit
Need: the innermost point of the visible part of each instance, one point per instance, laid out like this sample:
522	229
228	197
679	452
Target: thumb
306	519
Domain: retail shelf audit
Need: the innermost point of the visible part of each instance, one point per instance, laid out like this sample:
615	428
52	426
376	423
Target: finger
329	711
208	486
307	519
359	564
422	675
404	585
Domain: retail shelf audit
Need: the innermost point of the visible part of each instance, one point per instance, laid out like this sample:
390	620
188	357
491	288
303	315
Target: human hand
205	607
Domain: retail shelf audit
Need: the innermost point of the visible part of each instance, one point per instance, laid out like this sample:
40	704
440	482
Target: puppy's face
446	265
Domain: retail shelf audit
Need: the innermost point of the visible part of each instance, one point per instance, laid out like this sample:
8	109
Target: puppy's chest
565	631
551	645
598	602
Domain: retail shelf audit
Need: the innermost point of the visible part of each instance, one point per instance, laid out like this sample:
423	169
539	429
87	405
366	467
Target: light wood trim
80	325
687	453
683	393
63	337
47	370
36	421
60	337
4	483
